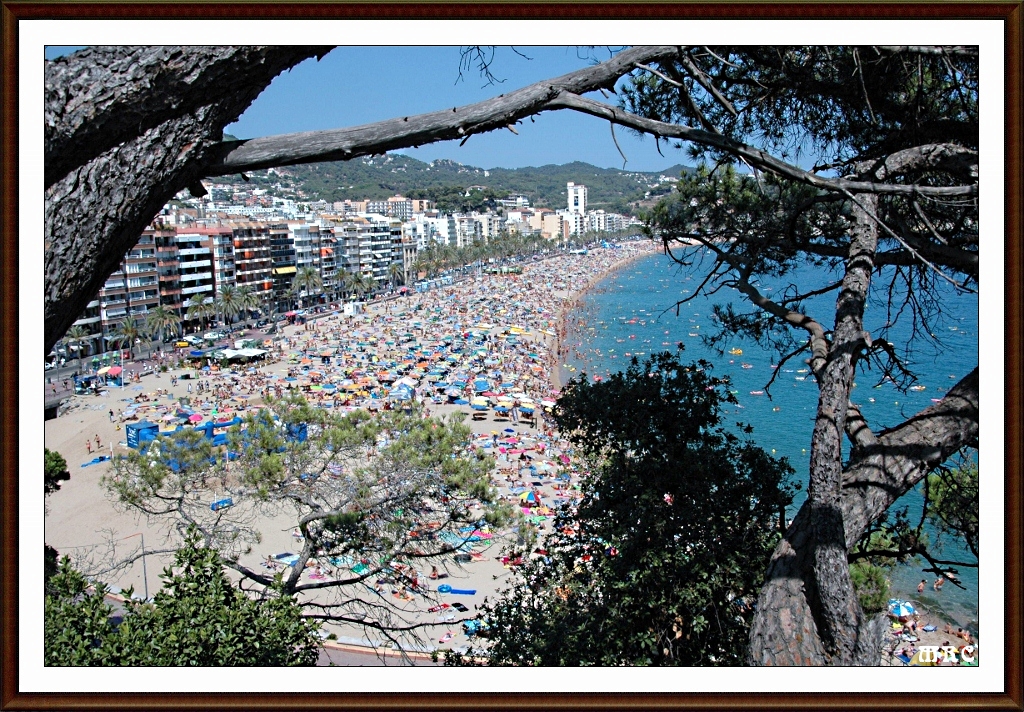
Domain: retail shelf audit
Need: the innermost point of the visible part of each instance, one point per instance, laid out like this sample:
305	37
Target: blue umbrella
902	609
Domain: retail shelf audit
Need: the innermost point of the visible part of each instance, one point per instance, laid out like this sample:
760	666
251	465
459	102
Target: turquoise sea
632	312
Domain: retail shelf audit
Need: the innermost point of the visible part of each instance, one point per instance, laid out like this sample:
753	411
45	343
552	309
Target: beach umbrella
195	418
901	609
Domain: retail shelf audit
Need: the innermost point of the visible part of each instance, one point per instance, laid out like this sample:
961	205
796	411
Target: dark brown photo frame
11	697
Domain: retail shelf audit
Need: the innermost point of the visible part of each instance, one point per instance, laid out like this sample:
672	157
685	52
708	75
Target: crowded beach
487	347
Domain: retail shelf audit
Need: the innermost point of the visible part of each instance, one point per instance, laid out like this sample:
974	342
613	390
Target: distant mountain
383	176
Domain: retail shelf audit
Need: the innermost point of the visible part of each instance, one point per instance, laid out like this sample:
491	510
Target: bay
632	312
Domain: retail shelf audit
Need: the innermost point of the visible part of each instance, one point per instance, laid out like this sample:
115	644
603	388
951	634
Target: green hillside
384	176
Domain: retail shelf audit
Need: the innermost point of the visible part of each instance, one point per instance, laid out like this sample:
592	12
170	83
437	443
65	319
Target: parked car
213	335
193	339
261	323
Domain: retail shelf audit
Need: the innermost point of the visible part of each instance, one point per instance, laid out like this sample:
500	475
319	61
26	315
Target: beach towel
96	460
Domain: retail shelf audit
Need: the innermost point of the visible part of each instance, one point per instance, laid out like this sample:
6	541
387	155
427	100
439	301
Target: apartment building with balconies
253	264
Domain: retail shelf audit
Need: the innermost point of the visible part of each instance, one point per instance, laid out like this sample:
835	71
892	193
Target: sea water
632	312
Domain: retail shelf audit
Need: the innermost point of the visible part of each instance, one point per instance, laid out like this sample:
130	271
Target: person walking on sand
97	441
88	446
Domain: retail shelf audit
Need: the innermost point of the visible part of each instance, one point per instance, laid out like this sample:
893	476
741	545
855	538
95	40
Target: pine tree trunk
808	612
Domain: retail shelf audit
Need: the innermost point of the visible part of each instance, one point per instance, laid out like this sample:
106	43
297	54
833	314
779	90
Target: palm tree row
229	303
438	258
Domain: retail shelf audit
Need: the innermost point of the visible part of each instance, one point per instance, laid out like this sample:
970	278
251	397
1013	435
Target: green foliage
455	198
77	624
55	471
844	101
952	503
669	542
49	563
871	584
197	619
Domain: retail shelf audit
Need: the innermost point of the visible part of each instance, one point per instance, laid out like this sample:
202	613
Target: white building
577	198
577	222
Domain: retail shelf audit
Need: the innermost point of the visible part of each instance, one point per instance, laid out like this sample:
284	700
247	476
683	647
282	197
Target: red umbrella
114	370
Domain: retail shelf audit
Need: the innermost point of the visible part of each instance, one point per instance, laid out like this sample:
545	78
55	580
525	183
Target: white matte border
34	34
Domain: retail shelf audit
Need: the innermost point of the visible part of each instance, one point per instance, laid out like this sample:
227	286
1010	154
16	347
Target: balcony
197	290
195	276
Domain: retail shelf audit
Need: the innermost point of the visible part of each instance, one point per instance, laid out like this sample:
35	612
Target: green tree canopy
367	492
659	561
197	619
55	471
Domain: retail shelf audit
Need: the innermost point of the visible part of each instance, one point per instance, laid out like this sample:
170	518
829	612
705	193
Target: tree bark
831	593
103	96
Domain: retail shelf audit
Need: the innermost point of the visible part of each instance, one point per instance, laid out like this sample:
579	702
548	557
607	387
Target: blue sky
360	85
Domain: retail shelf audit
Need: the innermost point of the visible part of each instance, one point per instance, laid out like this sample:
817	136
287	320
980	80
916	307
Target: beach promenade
397	350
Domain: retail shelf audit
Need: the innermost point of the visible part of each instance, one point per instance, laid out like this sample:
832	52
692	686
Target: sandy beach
520	322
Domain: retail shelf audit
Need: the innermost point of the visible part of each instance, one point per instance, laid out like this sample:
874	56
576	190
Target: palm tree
361	284
227	304
340	278
309	280
248	300
159	319
198	308
347	281
126	334
396	273
78	337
